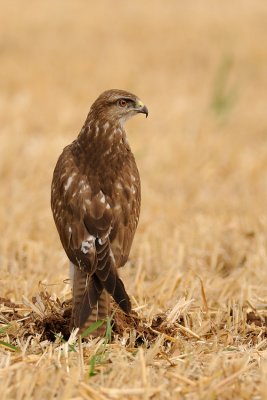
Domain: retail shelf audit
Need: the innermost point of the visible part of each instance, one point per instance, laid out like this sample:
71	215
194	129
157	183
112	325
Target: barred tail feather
100	312
87	292
91	298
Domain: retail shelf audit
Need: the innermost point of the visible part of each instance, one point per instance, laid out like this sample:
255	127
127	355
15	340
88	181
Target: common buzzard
95	202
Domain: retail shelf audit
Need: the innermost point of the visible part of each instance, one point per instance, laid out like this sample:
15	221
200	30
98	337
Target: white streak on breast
106	126
83	186
118	185
69	182
96	128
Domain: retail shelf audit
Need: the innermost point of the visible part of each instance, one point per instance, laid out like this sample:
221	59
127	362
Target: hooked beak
144	110
141	108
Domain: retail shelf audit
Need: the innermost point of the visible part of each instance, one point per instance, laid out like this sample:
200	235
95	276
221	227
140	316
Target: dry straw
197	274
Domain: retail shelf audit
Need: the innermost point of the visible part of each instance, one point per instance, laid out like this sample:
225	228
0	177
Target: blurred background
201	69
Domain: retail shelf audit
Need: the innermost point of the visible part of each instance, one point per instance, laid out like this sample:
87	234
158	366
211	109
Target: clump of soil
48	317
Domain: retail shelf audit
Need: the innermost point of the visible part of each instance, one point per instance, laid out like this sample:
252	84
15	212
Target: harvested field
197	274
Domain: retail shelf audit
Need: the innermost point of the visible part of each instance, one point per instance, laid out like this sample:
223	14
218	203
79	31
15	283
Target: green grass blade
92	328
223	97
9	346
4	329
108	330
92	366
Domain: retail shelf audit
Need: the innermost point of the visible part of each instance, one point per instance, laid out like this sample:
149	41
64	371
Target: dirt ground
197	273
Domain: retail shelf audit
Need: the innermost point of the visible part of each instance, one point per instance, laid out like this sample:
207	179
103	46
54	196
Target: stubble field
197	274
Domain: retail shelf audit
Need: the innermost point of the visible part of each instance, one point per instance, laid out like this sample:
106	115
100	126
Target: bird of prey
95	200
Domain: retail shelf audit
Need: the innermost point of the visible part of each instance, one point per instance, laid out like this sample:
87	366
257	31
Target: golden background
201	69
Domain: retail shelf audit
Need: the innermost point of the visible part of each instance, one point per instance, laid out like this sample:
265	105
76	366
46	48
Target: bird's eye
122	103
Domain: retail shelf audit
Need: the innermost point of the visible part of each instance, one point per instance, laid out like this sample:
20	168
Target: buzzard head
118	105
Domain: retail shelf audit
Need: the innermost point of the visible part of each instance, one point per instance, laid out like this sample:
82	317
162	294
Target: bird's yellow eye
122	103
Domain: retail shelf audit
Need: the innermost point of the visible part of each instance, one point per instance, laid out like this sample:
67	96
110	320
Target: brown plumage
96	203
